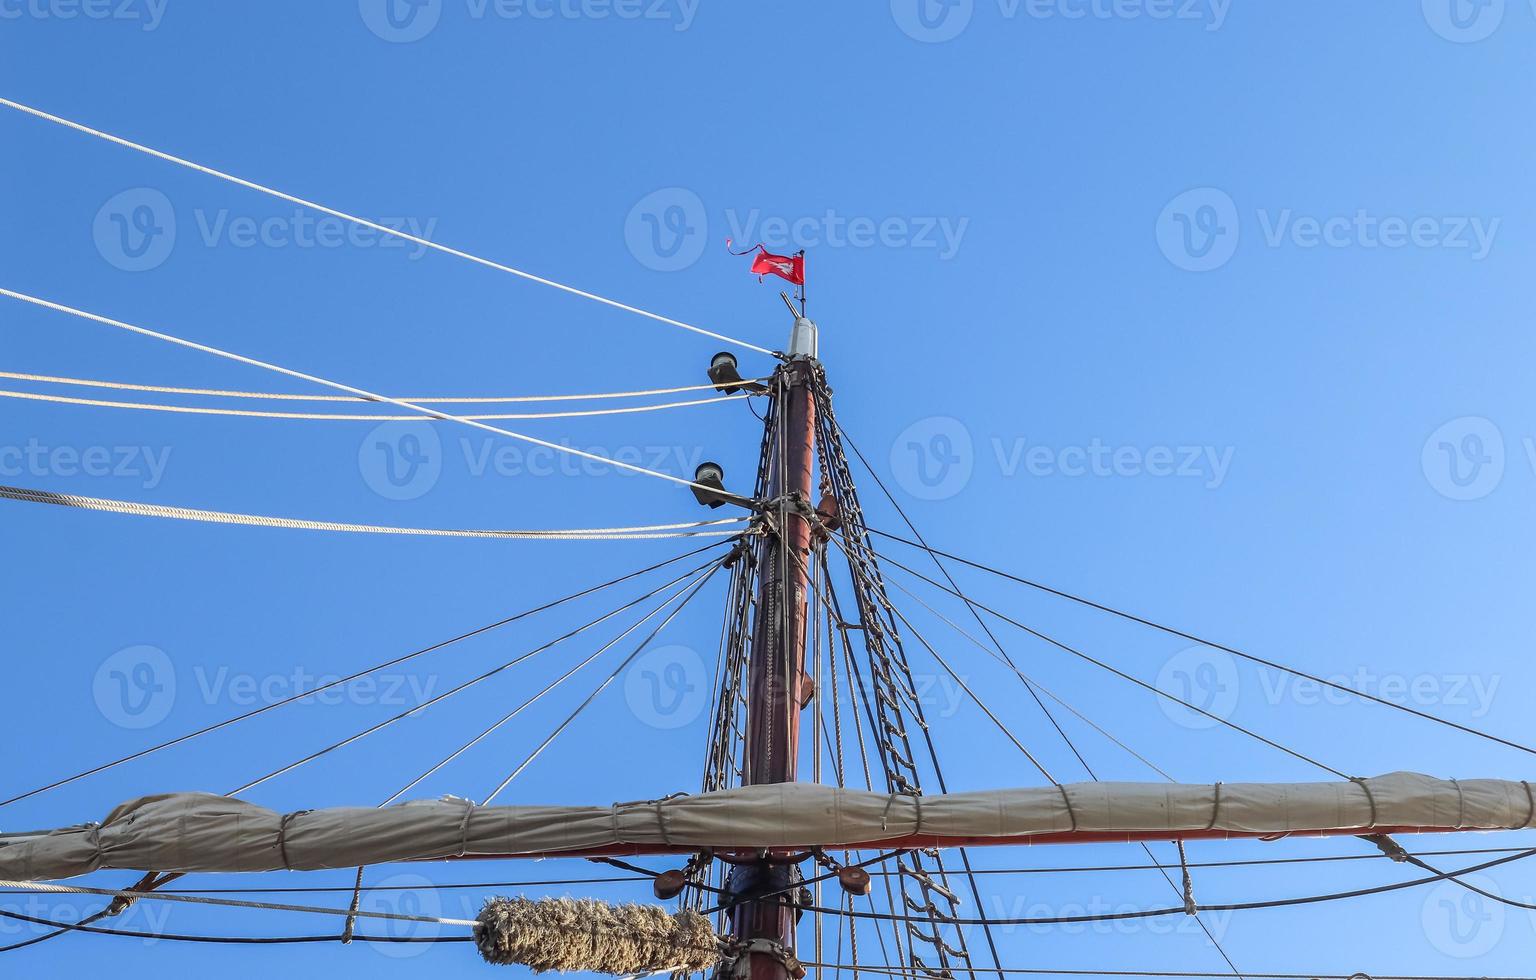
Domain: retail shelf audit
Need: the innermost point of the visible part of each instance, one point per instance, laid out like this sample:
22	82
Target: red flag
765	263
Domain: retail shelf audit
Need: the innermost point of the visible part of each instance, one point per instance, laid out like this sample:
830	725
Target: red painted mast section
777	666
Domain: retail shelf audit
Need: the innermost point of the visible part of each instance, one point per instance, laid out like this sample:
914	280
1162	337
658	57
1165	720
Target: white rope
371	396
235	903
375	226
335	417
643	533
276	396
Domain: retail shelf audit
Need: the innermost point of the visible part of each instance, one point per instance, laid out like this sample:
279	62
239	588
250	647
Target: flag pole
804	278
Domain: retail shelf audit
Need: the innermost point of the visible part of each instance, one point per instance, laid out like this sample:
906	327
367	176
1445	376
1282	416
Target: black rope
878	858
1171	631
351	677
1179	910
64	927
1124	676
465	685
1044	972
1028	686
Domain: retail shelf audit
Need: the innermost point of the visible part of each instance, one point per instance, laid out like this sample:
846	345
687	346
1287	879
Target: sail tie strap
469	811
1215	808
1067	799
282	836
1369	796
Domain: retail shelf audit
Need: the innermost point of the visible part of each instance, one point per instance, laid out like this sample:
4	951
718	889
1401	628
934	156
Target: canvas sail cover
192	832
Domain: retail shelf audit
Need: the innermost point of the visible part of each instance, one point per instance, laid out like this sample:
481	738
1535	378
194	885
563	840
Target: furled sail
190	832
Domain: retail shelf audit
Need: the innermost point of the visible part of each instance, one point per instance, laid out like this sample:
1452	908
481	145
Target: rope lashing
568	934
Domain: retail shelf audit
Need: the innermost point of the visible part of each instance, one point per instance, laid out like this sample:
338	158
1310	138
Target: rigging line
858	570
1411	859
1117	868
530	701
339	417
880	970
877	590
1187	894
361	673
47	888
371	396
278	396
1127	677
1180	975
796	886
1251	907
1171	631
467	684
696	588
1221	951
134	508
374	225
1029	685
338	889
944	570
1031	681
1179	910
63	927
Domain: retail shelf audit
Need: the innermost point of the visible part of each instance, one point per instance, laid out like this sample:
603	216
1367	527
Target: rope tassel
568	934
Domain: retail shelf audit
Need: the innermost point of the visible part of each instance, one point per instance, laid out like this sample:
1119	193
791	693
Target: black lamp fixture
708	479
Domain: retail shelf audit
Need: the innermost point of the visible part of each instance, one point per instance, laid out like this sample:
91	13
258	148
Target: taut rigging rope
373	225
136	509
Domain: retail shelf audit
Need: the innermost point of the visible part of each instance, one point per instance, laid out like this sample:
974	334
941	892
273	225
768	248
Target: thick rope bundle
568	934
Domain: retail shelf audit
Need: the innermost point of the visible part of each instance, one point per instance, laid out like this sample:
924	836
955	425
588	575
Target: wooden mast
778	687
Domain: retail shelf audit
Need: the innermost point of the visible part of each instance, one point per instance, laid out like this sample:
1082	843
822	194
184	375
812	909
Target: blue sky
1217	312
